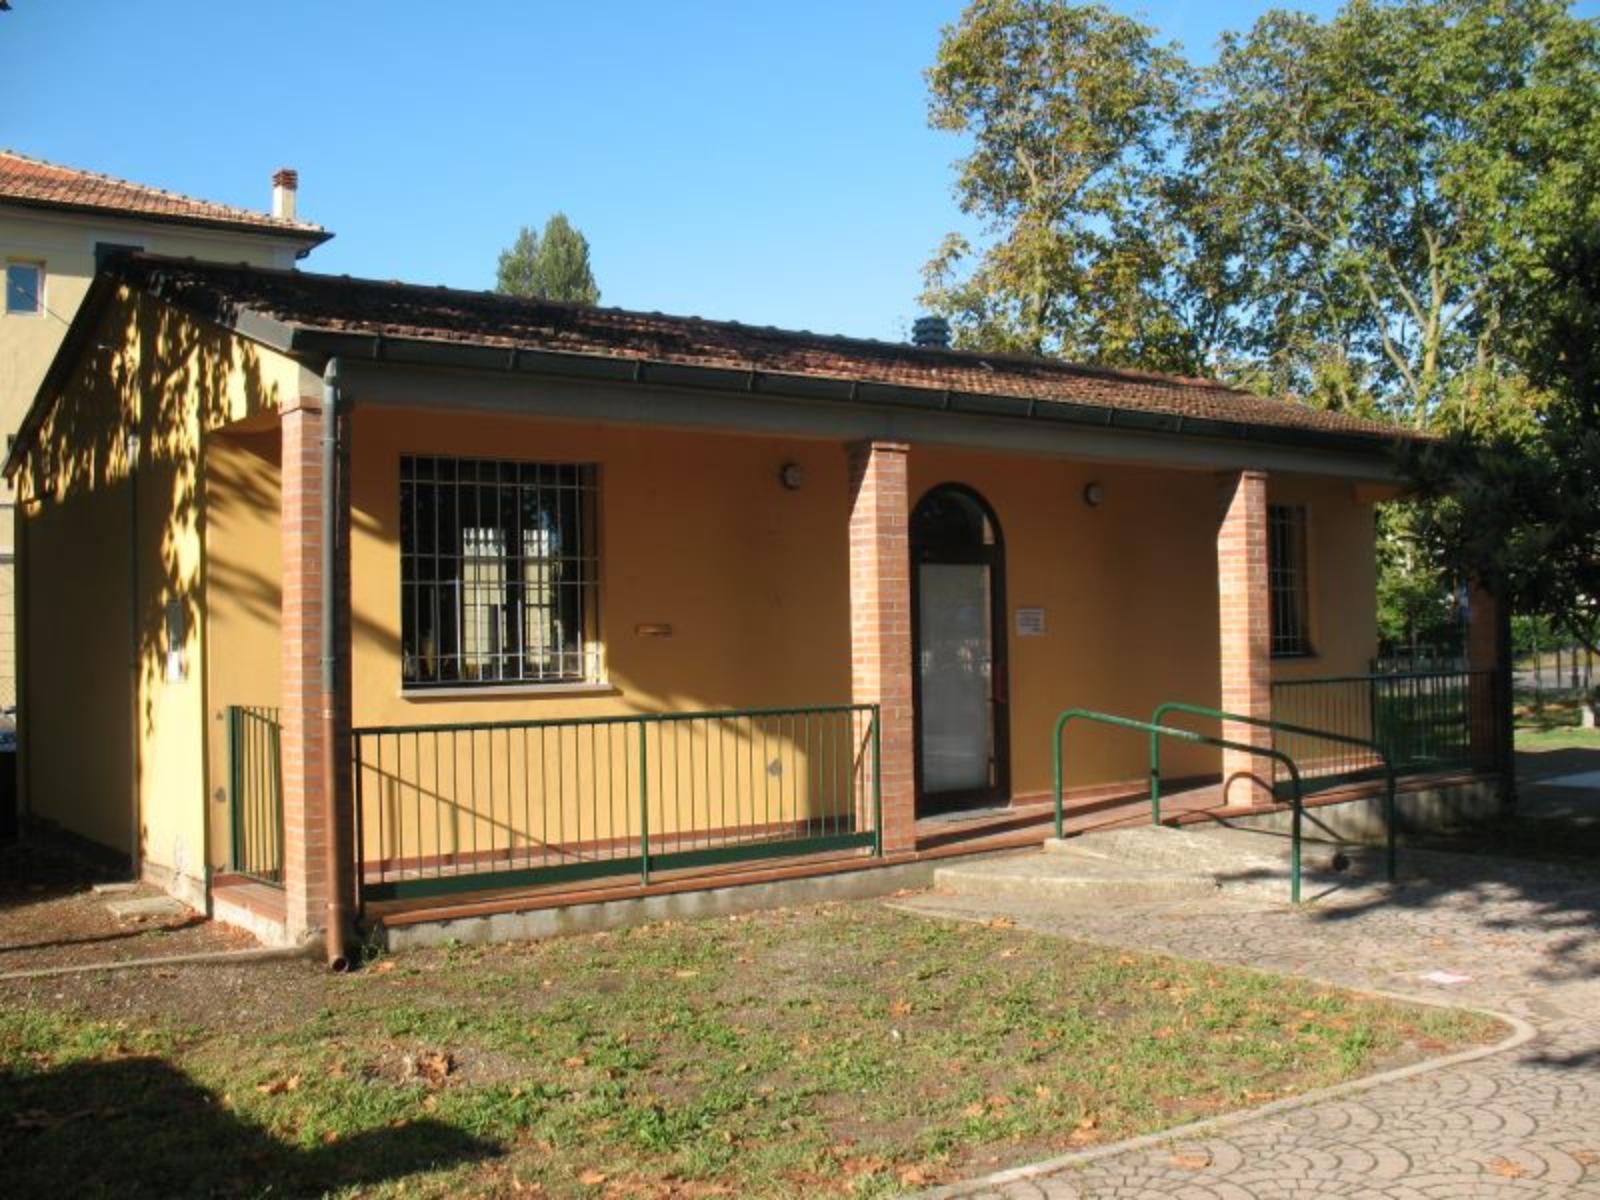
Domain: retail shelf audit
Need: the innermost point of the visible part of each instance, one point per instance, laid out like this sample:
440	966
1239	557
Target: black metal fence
445	809
255	774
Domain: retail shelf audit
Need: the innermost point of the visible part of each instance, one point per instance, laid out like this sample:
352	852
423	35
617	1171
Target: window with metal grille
499	577
1286	579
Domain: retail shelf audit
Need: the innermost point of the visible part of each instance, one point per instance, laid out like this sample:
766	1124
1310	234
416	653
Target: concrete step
1236	860
1070	877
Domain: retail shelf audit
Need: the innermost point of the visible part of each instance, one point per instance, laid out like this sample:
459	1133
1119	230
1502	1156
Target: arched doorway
958	615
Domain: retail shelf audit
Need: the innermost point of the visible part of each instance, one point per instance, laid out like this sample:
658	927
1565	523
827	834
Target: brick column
303	701
1244	618
1488	693
880	623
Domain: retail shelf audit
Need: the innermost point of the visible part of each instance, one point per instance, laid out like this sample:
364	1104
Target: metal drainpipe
131	446
337	869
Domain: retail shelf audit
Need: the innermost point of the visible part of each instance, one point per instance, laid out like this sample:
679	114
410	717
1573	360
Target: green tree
1520	510
1332	208
551	266
1071	113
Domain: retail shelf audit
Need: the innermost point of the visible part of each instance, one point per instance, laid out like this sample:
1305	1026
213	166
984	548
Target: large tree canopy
1336	208
554	266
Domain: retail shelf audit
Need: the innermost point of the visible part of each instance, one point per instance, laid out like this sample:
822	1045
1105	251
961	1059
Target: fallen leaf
330	1138
577	1060
1585	1157
591	1178
1088	1121
277	1087
384	967
1000	923
1042	1092
975	1109
900	1008
1192	1160
685	974
1010	952
913	1177
434	1065
1505	1168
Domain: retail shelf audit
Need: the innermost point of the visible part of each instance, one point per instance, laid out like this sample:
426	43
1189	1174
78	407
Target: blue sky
763	162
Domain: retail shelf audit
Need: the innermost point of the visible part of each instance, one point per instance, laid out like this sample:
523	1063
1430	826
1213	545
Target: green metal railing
1423	720
1183	735
449	809
1301	781
255	792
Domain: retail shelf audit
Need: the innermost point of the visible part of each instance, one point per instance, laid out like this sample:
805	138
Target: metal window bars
499	572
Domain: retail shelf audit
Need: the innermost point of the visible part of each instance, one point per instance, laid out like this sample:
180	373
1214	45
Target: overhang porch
771	581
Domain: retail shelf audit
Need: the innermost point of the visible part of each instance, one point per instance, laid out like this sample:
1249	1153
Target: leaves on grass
591	1177
901	1008
277	1087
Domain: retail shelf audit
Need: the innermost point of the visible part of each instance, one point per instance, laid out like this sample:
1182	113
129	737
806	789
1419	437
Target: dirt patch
50	916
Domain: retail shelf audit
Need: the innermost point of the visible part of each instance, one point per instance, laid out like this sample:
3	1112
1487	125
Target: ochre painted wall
696	533
169	378
243	581
1129	590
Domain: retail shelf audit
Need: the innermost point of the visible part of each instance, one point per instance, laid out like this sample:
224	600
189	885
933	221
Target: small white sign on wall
1030	622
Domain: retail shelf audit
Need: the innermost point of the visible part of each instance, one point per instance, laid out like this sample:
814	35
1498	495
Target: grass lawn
838	1049
1557	737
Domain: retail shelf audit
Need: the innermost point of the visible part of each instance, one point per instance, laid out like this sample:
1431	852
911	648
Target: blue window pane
23	281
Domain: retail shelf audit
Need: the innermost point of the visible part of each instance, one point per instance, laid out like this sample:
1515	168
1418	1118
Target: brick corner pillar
302	737
1245	625
880	624
1489	687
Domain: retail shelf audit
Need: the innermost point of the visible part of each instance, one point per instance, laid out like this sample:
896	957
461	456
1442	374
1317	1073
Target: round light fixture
1093	495
792	475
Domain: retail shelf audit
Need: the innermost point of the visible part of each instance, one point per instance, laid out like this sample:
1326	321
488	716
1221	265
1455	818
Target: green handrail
1182	735
1200	710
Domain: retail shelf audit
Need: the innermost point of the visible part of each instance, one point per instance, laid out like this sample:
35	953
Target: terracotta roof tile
408	311
33	181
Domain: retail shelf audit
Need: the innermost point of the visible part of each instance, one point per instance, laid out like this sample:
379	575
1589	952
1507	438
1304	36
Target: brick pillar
1244	617
303	701
880	623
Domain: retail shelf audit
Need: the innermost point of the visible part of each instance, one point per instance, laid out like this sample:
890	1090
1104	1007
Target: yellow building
56	224
614	600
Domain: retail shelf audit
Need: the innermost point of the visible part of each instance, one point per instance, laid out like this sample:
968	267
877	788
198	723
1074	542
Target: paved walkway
1521	1122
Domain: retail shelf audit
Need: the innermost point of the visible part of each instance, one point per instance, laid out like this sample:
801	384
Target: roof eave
318	344
309	235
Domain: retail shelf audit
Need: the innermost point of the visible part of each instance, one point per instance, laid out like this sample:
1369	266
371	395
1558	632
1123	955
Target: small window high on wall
25	288
499	580
1286	580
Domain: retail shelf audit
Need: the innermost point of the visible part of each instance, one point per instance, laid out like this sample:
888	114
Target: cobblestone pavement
1524	1121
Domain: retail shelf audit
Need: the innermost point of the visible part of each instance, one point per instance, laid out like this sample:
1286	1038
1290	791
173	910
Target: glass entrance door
957	666
958	595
